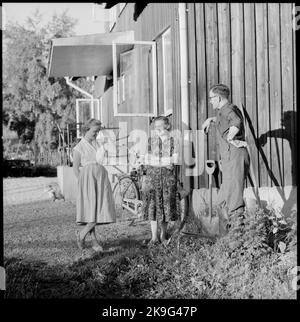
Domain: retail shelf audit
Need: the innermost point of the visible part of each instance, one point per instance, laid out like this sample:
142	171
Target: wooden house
248	46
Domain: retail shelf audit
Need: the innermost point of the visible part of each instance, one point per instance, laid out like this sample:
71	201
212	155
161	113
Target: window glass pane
84	113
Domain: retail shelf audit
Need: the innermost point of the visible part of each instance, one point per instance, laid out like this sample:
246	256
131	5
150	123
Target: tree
32	102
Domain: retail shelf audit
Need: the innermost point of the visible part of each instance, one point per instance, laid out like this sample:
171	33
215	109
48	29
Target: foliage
32	102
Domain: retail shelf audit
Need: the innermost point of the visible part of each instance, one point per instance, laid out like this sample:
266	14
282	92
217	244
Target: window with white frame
165	73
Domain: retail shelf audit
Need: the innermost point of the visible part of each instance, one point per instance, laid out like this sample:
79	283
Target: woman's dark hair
221	90
162	118
89	124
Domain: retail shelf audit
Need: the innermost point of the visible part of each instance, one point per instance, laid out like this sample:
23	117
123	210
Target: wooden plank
262	89
201	79
224	43
286	35
212	63
223	10
275	133
176	51
294	156
237	42
192	78
250	111
177	89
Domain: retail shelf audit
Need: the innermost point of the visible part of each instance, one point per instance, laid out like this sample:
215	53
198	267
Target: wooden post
68	143
63	144
59	147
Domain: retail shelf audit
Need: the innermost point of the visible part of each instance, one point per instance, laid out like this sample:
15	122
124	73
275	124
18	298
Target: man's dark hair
221	90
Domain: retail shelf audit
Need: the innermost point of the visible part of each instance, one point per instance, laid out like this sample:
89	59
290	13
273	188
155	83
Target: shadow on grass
100	275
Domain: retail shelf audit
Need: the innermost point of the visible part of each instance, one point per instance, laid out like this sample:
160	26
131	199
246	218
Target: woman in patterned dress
160	196
94	204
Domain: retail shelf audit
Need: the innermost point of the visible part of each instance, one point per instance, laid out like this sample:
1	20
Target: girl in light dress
95	204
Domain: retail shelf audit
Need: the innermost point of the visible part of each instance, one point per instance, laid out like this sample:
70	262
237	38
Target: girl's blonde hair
89	124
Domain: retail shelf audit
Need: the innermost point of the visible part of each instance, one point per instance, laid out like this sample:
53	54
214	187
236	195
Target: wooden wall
250	48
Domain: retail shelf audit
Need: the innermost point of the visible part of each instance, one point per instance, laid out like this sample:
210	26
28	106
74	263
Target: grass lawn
42	259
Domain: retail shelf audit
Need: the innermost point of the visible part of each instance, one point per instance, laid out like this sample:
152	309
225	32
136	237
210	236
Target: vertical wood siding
247	46
250	48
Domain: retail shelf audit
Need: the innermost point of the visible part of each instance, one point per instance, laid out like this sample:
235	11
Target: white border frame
115	77
91	100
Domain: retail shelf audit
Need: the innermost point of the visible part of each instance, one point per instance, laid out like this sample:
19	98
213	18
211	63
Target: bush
23	168
44	171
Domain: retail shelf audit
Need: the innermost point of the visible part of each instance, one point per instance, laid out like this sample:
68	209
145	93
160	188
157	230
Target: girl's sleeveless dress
95	203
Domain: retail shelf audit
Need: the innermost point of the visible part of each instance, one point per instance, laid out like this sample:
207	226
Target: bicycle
128	192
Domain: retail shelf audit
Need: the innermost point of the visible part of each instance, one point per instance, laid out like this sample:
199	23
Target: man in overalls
233	152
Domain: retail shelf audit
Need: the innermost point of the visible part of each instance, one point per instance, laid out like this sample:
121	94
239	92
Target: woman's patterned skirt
159	194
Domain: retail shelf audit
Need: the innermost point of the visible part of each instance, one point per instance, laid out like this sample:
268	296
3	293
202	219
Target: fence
52	158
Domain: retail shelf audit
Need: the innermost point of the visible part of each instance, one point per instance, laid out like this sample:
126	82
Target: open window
85	109
134	76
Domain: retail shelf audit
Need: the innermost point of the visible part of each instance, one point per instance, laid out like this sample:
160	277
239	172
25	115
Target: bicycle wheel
125	188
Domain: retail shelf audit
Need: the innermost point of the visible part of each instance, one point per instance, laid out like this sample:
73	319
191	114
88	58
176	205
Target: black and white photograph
149	152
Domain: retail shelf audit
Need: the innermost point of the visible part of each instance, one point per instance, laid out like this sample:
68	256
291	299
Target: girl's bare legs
163	234
154	231
96	245
81	236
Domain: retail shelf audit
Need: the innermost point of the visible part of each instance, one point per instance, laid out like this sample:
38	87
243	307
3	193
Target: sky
81	11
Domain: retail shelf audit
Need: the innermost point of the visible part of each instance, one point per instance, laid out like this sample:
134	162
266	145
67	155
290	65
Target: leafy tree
33	103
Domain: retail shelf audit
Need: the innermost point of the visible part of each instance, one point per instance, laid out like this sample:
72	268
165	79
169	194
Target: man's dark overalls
235	161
